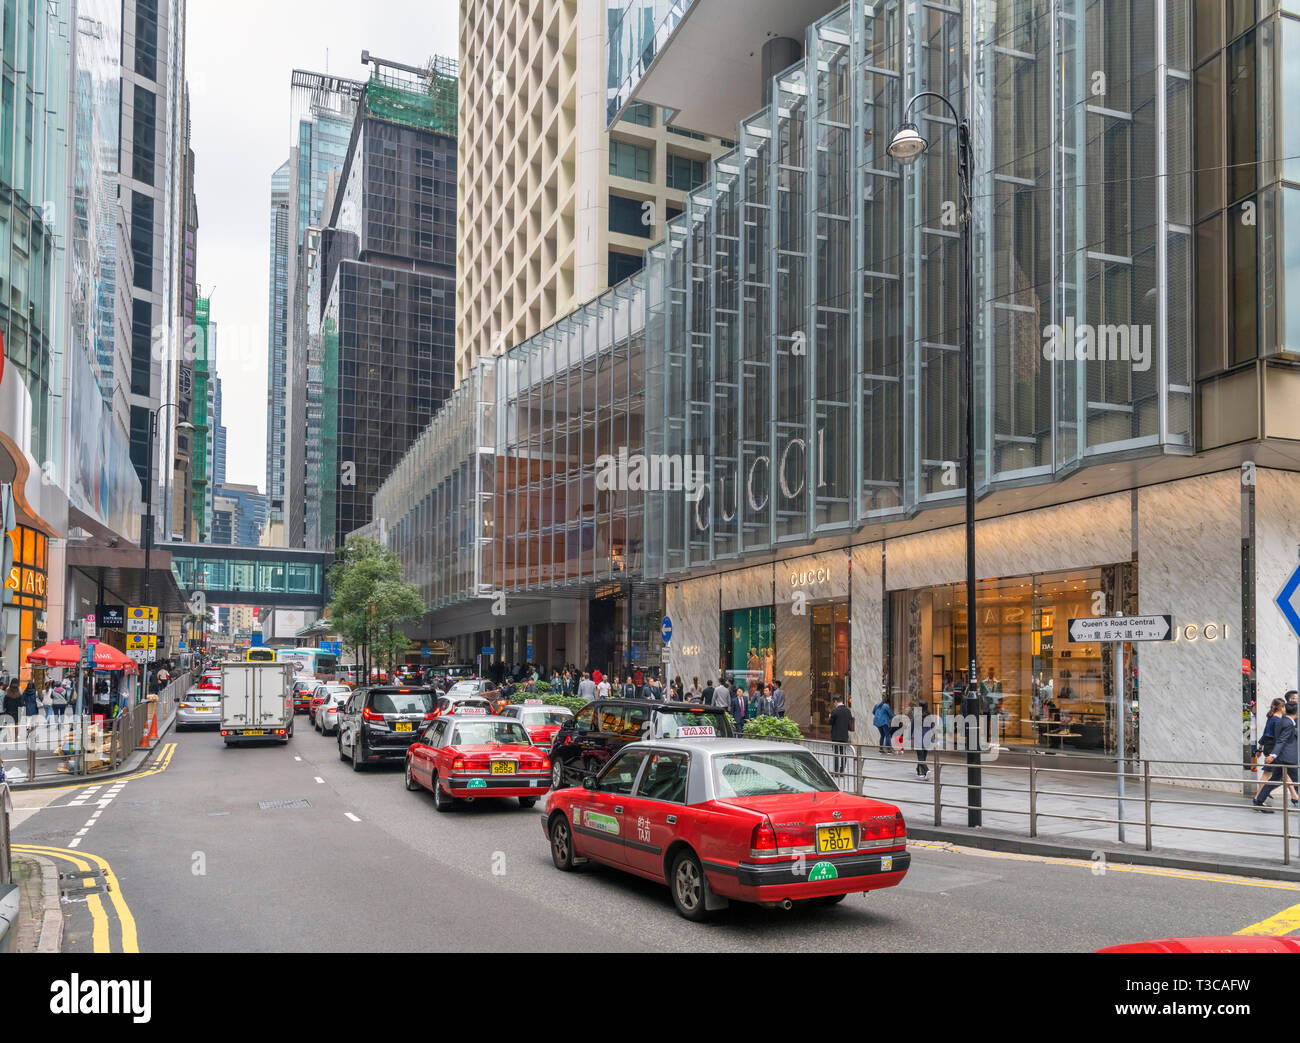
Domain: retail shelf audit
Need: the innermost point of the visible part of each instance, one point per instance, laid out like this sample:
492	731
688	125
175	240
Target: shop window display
1045	690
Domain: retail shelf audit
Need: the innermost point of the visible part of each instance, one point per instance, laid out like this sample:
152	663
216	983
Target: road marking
168	749
83	861
96	814
297	758
74	842
1111	867
1285	922
351	816
320	780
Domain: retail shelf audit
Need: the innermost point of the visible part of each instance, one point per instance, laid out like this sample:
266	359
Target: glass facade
798	332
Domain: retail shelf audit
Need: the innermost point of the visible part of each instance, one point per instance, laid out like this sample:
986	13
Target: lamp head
907	144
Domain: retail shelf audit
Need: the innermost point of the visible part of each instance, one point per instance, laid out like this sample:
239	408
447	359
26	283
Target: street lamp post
906	147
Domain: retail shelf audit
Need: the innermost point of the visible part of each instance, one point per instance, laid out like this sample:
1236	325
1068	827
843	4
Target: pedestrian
738	708
31	702
882	716
841	728
696	693
763	704
1283	757
586	687
722	695
778	700
602	688
922	736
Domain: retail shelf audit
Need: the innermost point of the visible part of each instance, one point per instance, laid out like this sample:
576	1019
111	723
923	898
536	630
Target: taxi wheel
688	886
441	800
561	843
408	778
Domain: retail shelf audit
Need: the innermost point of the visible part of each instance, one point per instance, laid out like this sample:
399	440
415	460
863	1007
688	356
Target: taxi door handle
618	809
672	820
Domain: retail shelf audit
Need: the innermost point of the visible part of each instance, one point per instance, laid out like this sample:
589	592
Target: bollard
1033	798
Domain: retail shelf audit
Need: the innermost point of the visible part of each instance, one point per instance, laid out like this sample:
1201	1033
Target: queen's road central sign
1122	628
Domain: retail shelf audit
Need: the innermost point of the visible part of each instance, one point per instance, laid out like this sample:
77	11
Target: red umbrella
68	656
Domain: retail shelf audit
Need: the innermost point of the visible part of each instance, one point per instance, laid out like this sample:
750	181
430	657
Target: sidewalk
1207	835
40	916
18	782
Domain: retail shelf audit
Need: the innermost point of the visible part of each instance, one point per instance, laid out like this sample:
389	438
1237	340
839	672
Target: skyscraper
277	332
555	207
387	264
322	109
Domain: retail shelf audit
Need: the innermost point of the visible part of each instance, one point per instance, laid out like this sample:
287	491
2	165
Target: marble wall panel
1189	566
693	608
867	655
1277	553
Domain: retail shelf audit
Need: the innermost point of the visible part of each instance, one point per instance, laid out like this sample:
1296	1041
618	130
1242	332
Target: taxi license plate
503	767
403	726
254	731
831	839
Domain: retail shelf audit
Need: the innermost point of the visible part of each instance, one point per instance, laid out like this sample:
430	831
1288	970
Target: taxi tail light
763	840
900	827
476	764
458	764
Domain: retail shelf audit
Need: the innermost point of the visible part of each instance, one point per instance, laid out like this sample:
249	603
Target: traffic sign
666	629
1122	628
488	650
1287	605
425	653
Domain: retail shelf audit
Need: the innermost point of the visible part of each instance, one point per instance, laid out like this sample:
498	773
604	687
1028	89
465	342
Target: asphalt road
190	856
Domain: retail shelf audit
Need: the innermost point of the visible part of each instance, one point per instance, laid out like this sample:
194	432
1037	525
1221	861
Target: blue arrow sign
1285	603
666	629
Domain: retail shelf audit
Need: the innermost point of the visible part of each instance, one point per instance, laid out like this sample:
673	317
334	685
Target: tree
371	600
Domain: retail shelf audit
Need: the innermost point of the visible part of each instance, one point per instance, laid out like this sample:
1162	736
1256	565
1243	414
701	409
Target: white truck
256	702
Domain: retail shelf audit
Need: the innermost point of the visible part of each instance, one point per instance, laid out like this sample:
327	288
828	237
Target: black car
604	726
379	722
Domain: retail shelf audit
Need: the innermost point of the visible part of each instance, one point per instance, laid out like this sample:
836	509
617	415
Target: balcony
701	59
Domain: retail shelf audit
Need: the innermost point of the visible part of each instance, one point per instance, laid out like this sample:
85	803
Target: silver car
199	706
327	713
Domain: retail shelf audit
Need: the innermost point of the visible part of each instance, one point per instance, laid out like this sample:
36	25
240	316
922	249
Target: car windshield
541	718
489	733
475	703
463	686
399	702
686	723
766	774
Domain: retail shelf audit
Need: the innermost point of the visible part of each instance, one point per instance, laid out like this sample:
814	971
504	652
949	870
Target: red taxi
302	693
210	681
467	755
728	819
541	722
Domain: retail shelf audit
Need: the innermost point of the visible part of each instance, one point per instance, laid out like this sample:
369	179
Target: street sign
425	653
667	653
1122	628
488	650
666	629
88	628
528	653
1287	605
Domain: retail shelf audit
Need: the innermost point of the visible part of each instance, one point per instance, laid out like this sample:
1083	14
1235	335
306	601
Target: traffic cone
153	728
144	741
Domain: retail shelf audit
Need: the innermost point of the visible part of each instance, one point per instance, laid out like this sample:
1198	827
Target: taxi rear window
483	733
768	774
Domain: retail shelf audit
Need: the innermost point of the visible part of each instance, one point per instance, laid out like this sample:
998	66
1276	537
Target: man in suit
586	687
1283	758
841	726
738	707
778	700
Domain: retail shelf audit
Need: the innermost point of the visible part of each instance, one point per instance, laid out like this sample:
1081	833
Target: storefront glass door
830	660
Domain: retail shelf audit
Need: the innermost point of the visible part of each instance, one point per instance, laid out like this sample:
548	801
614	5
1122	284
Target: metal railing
78	745
1136	802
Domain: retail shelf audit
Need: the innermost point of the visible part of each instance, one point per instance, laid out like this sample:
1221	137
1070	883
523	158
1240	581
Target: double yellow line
85	862
164	759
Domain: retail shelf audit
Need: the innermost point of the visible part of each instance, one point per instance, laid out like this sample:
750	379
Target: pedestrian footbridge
275	577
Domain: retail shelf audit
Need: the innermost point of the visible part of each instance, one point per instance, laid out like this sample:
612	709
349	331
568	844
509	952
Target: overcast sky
239	56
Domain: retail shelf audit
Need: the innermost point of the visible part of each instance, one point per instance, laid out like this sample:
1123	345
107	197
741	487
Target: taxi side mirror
589	782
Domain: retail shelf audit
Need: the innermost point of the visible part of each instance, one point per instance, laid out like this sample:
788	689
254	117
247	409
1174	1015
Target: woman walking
1267	740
